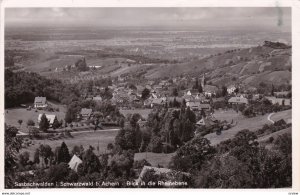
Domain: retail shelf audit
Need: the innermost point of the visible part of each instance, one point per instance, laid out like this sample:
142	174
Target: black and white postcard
192	97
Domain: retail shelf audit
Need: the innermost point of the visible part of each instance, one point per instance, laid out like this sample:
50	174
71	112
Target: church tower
203	81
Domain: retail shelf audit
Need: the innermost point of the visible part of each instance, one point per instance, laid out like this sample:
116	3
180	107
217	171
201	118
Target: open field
13	115
155	158
85	139
143	112
242	123
286	115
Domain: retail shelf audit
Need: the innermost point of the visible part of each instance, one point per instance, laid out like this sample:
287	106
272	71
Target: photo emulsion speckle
123	97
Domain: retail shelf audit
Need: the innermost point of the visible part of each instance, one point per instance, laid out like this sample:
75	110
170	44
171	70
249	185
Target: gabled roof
210	88
40	100
205	122
178	99
158	101
74	162
86	111
97	98
238	100
194	103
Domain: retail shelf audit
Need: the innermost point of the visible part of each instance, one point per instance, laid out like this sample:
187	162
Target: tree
12	147
36	158
200	88
224	91
175	92
44	123
63	153
145	93
20	122
55	124
272	90
57	173
192	155
46	153
90	162
24	158
196	86
30	123
81	65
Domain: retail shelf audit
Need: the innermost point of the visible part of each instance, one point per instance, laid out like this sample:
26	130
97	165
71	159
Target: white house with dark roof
40	102
231	89
238	100
86	113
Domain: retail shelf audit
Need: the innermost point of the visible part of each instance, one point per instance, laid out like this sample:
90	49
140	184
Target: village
185	102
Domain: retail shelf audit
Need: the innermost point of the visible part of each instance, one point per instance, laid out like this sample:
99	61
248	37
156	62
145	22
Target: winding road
269	117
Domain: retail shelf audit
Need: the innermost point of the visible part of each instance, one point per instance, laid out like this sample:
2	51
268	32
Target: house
206	122
40	102
158	102
50	118
188	98
192	92
231	89
95	66
197	106
209	90
171	99
238	100
97	98
282	94
280	101
74	162
86	113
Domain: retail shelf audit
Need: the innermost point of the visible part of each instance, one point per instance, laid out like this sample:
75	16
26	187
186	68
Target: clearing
12	115
252	124
85	139
286	115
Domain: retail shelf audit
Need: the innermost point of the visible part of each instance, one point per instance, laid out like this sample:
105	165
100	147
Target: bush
167	148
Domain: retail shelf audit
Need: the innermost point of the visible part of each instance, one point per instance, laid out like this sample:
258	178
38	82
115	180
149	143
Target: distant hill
270	63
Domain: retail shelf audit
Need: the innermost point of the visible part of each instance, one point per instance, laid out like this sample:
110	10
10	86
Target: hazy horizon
274	18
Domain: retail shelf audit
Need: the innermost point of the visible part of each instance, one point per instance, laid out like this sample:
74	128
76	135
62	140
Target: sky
272	17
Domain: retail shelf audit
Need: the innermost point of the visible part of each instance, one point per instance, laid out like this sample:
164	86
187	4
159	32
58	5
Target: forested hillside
22	87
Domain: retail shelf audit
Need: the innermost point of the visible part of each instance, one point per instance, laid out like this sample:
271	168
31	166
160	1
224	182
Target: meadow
86	139
251	124
13	115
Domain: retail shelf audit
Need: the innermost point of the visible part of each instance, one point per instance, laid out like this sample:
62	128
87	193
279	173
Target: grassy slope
85	139
13	115
242	123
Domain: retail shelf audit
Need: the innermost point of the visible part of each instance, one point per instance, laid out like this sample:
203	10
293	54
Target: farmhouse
192	92
280	101
231	89
50	118
86	113
74	162
97	98
209	90
206	122
196	105
40	102
282	94
238	100
158	102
